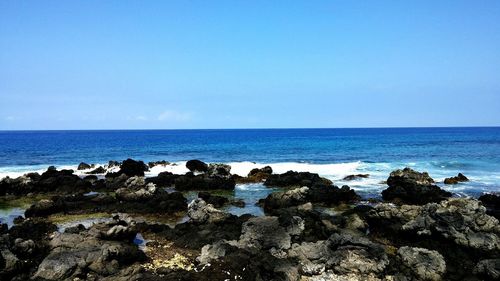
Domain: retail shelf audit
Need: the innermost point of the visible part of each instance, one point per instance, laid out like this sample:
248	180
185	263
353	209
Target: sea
332	153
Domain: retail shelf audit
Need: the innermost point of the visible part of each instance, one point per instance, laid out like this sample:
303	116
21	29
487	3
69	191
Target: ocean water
333	153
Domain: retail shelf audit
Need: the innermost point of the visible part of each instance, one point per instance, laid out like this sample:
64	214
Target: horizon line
221	129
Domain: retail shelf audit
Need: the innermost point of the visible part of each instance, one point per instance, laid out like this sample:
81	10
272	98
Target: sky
248	64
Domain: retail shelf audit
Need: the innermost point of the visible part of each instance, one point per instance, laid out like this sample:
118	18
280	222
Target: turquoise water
333	153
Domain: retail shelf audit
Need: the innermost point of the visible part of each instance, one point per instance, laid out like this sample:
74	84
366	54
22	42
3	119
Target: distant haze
248	64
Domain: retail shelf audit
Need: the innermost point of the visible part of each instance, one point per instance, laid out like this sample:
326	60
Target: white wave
327	170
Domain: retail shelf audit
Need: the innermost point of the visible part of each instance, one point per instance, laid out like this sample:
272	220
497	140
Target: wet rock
412	187
256	175
196	166
112	164
17	186
325	194
130	168
489	269
219	170
24	248
201	212
295	179
457	179
267	170
215	200
98	170
158	163
136	191
463	221
84	166
355	177
422	263
43	208
164	179
492	204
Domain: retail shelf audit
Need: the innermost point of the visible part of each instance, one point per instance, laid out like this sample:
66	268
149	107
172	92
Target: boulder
295	179
219	170
489	269
73	255
460	220
130	168
164	179
422	263
158	163
84	166
42	208
355	177
256	175
492	204
201	212
98	170
136	192
457	179
323	194
412	187
196	166
268	233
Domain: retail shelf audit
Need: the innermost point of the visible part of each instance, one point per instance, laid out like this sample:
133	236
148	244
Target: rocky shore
179	227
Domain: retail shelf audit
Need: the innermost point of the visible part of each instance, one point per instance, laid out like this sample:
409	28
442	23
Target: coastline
214	222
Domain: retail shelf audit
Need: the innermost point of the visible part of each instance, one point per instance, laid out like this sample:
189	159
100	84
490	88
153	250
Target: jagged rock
43	208
357	255
268	233
461	220
219	170
326	194
130	168
136	191
164	179
355	177
120	232
158	163
413	187
267	170
135	182
196	166
23	247
422	263
201	212
294	179
492	204
84	166
489	269
17	186
283	199
98	170
73	254
454	180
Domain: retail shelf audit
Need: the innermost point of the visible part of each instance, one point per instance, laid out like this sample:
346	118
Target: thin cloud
10	118
174	116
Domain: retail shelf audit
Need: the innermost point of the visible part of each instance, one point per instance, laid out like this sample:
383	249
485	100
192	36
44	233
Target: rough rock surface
423	264
409	186
201	212
196	166
456	179
295	179
327	194
99	251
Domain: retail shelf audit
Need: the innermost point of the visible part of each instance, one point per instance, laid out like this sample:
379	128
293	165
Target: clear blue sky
248	64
